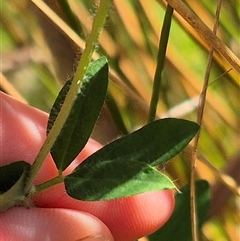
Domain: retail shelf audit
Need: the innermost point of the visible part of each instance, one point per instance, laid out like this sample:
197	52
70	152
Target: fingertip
22	224
22	130
127	218
139	215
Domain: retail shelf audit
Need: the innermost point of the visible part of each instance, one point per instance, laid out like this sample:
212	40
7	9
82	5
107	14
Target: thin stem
202	101
41	187
98	24
160	62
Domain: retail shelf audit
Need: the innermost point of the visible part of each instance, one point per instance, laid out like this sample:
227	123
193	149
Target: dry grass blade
201	106
206	33
10	89
59	22
227	180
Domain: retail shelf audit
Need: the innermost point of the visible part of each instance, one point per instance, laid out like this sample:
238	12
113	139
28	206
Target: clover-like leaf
122	168
110	180
85	111
153	144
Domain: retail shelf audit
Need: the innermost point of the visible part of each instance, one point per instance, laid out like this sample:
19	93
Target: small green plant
131	157
122	168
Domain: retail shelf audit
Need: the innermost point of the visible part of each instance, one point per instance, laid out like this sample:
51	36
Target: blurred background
37	58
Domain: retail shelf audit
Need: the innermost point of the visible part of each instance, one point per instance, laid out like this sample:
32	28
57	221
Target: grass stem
160	63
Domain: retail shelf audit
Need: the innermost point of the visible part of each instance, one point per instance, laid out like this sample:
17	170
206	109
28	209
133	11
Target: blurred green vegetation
37	58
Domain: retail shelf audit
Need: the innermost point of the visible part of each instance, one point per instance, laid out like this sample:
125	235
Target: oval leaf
12	179
9	174
153	144
178	226
58	104
110	180
85	111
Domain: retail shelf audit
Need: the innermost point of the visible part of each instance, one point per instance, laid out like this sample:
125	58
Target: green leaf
110	180
153	144
9	174
58	104
79	124
12	179
178	226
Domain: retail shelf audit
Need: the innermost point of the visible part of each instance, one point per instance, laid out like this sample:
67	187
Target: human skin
56	216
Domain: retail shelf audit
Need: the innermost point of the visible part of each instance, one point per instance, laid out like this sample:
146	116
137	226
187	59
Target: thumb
53	224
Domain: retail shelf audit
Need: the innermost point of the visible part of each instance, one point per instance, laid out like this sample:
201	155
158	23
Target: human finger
53	224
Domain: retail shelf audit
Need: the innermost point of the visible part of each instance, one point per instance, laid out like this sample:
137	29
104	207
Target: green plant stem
92	40
41	187
160	62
